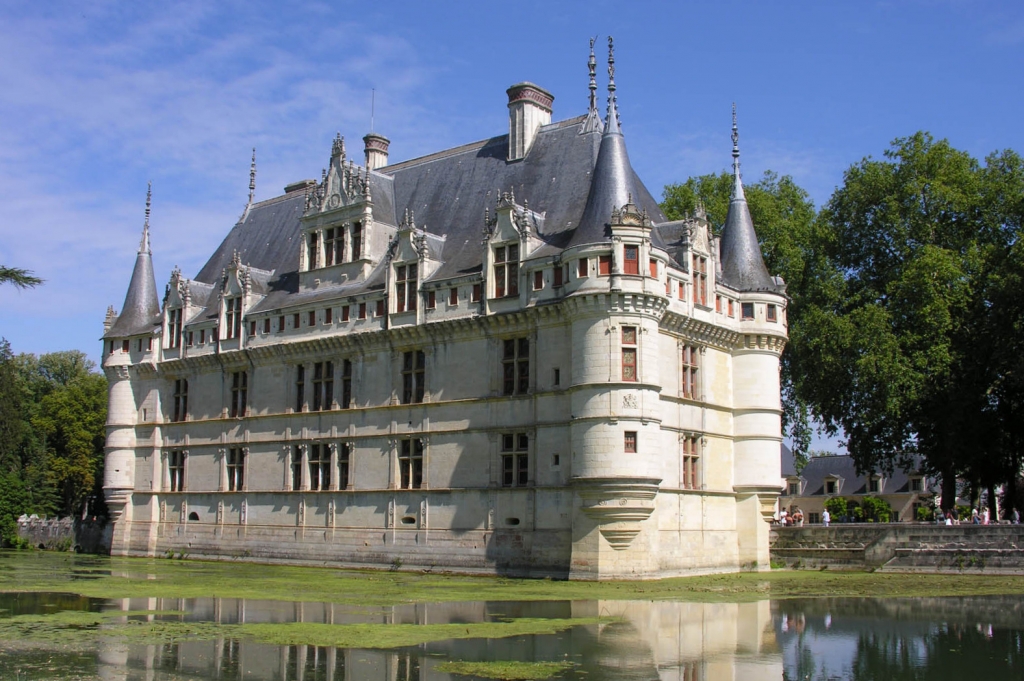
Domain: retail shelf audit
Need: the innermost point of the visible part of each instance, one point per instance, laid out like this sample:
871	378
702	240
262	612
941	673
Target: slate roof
819	468
141	310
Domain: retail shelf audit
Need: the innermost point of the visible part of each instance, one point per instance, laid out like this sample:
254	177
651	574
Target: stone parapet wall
902	547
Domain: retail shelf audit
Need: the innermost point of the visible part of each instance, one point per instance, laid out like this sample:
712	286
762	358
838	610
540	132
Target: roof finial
592	66
612	124
252	176
735	143
144	245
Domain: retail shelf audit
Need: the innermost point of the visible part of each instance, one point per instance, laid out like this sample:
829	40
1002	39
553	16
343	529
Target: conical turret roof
743	267
141	310
611	185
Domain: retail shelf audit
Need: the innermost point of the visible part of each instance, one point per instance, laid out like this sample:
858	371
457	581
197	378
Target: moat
69	617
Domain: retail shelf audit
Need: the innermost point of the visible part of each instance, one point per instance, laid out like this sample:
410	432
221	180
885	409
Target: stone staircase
902	547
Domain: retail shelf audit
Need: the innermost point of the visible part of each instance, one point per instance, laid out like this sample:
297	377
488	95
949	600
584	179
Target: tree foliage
52	414
20	278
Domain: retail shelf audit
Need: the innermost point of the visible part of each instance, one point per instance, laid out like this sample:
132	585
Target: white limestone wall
757	418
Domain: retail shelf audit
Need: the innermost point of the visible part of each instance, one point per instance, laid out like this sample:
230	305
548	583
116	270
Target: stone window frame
690	374
506	269
175	470
630	353
235	469
406	286
414	376
691	472
174	323
232	317
515	459
630	442
699	274
180	400
238	405
411	463
515	365
323	386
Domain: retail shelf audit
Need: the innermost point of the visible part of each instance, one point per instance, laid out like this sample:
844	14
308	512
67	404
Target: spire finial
735	143
611	68
144	244
592	66
252	177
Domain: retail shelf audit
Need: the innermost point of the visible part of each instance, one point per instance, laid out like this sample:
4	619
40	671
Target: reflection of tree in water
951	652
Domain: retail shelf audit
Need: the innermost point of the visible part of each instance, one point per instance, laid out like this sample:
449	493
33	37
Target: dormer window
174	328
357	240
405	287
312	252
830	487
233	317
506	271
700	279
873	485
334	247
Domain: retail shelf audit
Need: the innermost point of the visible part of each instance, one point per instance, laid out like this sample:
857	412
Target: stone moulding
618	505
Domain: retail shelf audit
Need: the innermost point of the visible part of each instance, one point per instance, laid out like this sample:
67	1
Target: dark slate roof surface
141	310
821	467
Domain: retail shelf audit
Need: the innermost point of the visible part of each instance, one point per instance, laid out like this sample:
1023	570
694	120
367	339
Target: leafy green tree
789	236
18	277
836	506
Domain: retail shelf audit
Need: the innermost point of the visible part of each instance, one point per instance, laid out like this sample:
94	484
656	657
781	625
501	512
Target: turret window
746	311
629	353
631	260
629	442
771	313
506	271
233	317
405	287
604	265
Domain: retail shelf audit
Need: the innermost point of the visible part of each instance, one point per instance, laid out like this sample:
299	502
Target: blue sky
100	97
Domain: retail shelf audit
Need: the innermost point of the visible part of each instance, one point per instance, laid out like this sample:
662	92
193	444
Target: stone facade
497	358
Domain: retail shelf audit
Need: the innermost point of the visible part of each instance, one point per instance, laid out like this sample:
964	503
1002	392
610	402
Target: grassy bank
161	578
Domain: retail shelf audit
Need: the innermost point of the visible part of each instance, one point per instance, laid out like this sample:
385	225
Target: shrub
836	507
876	509
924	514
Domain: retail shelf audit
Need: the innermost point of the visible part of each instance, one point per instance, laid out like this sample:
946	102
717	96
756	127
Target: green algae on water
508	670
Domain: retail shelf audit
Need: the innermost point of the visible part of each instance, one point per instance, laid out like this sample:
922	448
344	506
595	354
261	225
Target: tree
18	277
785	220
903	347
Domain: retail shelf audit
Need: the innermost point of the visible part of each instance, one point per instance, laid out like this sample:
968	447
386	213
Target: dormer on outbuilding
341	241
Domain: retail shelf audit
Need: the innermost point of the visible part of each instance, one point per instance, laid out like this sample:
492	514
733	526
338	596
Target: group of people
796	518
982	518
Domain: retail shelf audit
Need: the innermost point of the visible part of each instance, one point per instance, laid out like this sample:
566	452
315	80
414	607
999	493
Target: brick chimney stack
529	107
376	150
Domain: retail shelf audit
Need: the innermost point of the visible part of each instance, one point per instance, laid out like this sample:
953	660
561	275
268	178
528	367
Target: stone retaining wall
902	547
82	536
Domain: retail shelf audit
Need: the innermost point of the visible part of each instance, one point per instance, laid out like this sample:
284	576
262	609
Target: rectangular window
431	300
515	460
604	265
362	310
770	313
506	271
311	318
344	313
405	288
280	324
266	325
691	463
690	363
126	345
252	329
668	287
296	320
149	342
357	240
296	465
653	265
346	384
629	353
629	442
174	328
700	279
475	293
300	387
239	393
323	385
538	280
180	400
319	467
718	304
334	247
582	268
236	469
344	464
380	308
453	296
413	376
682	291
557	380
873	484
793	489
631	260
732	311
515	366
557	273
746	311
328	315
915	484
830	487
410	464
176	470
312	251
202	336
190	339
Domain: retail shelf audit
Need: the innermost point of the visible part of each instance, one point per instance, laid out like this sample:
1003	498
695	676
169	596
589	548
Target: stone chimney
376	150
529	107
